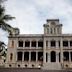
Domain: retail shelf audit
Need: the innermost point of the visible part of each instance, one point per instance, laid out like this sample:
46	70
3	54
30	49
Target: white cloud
31	14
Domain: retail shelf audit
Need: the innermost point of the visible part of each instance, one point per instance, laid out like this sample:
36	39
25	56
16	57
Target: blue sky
32	14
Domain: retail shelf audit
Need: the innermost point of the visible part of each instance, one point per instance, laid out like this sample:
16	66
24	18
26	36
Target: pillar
69	56
23	44
44	51
61	50
30	44
48	44
23	56
49	57
69	44
29	56
36	44
57	45
57	57
36	56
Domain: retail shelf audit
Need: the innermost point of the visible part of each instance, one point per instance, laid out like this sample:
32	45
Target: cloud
32	14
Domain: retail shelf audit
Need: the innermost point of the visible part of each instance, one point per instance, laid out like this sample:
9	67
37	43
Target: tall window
12	44
47	30
66	56
53	56
54	31
40	43
70	43
33	43
27	43
53	43
19	56
20	43
11	56
51	31
65	43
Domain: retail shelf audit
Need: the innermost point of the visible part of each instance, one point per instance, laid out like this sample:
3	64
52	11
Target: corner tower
52	27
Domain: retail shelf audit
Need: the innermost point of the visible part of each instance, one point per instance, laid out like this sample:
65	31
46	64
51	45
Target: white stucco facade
51	50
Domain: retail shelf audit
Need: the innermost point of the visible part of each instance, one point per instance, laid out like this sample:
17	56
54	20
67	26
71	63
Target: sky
32	14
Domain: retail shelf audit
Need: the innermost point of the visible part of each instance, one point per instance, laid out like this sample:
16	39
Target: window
20	43
33	43
11	56
53	56
27	43
40	43
25	65
51	31
19	56
26	56
59	43
65	43
33	56
53	43
54	31
46	57
66	56
18	65
10	65
70	43
47	30
40	56
12	44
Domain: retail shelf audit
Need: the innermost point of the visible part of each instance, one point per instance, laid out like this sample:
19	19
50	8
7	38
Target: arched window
11	56
53	56
27	43
33	44
12	44
47	30
51	31
20	43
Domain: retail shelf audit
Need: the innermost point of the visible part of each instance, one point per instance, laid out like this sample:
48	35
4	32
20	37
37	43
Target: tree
4	18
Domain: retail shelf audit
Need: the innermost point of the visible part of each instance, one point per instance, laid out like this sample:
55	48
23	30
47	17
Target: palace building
50	50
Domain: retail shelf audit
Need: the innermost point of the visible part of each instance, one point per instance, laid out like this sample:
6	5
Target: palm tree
3	20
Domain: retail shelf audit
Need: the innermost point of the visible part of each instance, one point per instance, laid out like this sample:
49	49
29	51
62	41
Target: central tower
52	27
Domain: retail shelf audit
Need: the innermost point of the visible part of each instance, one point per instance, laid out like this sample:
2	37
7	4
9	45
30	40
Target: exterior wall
47	37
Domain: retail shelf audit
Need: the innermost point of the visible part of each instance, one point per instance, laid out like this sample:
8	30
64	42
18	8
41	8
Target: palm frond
8	17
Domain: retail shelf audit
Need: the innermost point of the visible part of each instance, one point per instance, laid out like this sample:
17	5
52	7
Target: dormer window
53	23
51	31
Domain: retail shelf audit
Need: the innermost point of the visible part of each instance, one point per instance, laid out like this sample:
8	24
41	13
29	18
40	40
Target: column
61	50
29	56
49	57
30	44
57	57
23	56
69	56
36	56
48	44
57	45
44	51
36	44
68	44
23	44
16	56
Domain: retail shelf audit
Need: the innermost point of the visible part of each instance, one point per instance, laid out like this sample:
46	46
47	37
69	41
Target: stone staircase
30	70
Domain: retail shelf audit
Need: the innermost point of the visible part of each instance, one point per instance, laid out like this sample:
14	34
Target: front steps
52	66
30	70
